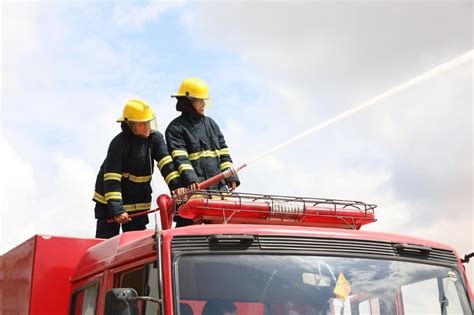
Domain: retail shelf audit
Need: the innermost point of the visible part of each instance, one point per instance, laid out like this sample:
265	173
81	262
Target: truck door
144	279
84	300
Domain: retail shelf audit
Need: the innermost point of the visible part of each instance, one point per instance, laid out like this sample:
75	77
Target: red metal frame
214	207
227	211
166	207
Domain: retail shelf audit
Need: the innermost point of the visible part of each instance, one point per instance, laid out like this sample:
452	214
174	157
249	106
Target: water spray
233	171
435	71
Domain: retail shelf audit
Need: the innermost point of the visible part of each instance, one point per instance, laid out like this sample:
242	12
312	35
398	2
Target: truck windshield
283	284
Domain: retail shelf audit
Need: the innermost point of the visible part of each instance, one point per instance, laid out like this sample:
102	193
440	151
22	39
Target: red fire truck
246	254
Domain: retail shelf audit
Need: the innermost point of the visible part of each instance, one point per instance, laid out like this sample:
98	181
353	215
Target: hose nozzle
232	171
225	174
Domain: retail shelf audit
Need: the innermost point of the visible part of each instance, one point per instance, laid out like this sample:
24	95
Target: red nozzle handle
135	215
225	174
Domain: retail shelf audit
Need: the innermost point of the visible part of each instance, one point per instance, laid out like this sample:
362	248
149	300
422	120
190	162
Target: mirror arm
144	298
467	258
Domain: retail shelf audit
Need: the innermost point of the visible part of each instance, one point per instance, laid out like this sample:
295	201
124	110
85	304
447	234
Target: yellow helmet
137	111
193	87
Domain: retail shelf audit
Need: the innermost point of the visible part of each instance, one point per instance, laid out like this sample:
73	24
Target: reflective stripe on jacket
123	182
198	148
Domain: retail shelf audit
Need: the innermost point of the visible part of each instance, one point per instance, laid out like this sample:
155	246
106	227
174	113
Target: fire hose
203	185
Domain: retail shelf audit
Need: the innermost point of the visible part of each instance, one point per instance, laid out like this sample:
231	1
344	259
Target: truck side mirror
121	301
467	258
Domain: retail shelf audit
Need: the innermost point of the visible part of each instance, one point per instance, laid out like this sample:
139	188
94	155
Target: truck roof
140	244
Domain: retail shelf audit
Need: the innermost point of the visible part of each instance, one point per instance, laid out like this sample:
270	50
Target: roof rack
206	206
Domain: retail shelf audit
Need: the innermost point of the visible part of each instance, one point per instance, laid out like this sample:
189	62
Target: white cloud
20	35
19	19
60	204
18	197
136	16
72	197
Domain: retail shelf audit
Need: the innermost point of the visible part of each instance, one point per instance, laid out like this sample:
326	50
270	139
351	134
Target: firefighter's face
141	129
199	106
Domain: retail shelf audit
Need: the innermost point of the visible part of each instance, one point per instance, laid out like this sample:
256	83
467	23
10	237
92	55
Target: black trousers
108	230
180	221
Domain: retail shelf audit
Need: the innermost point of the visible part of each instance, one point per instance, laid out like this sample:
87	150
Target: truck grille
314	246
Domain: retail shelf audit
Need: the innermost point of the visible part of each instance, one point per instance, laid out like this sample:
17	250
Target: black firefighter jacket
123	182
198	149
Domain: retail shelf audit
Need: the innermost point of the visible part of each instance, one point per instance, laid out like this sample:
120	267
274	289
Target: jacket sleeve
113	177
165	162
224	153
179	152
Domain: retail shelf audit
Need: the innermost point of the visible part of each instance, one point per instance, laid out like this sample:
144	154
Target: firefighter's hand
178	191
193	186
179	194
232	185
122	218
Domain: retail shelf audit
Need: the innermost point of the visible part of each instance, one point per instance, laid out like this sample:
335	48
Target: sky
274	70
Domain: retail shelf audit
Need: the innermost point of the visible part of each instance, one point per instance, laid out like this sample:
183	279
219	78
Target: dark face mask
183	104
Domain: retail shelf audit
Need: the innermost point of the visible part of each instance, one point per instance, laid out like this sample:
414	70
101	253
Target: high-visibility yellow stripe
183	167
137	179
171	176
176	153
112	176
197	155
140	179
98	197
226	165
129	208
206	153
137	207
113	195
167	159
224	151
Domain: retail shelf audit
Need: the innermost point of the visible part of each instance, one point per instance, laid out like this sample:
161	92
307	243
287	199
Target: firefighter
196	142
123	183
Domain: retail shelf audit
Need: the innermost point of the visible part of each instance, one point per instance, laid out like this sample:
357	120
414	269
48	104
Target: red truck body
191	265
36	274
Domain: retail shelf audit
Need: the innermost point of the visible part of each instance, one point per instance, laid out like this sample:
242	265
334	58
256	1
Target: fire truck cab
268	255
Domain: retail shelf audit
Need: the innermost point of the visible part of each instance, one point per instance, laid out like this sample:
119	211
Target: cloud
59	204
136	15
336	53
71	201
18	190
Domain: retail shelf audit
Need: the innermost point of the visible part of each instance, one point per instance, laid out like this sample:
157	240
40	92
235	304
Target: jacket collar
193	116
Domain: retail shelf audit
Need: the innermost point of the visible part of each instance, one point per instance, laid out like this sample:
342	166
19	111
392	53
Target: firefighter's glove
122	218
232	185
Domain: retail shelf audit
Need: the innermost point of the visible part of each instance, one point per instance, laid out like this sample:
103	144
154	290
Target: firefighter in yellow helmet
123	184
195	141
